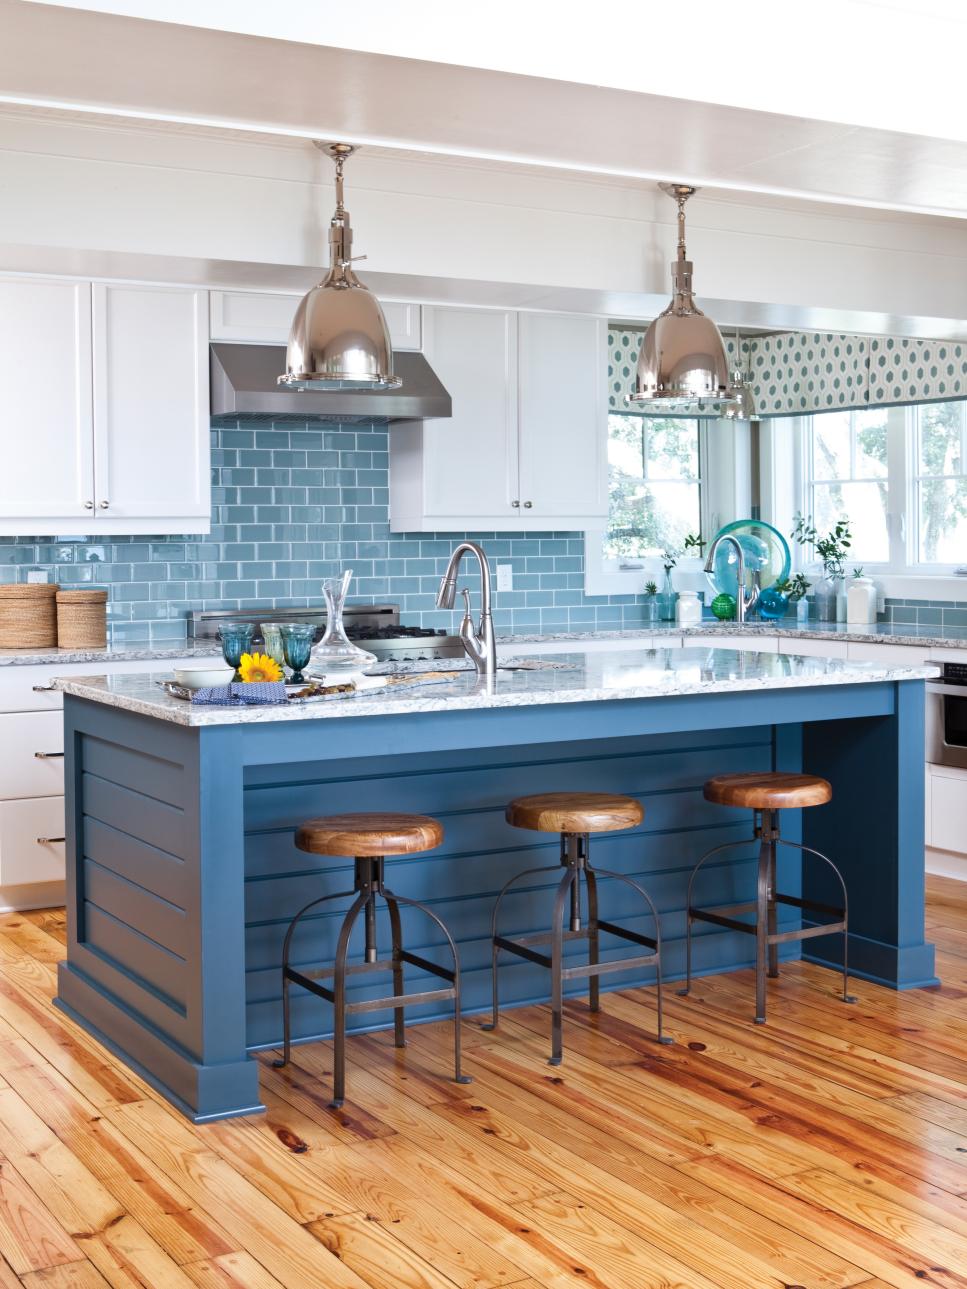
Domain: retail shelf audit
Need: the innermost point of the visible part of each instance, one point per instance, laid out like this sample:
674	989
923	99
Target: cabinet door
151	410
563	417
470	464
257	319
45	404
813	648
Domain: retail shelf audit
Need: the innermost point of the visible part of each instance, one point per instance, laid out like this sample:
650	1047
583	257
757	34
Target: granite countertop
878	632
591	677
136	651
881	632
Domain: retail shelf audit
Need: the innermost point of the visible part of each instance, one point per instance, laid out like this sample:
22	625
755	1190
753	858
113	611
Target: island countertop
575	677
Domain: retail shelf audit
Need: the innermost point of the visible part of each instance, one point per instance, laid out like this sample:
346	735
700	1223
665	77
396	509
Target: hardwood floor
828	1148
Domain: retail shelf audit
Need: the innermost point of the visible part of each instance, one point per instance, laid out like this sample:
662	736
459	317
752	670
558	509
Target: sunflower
259	666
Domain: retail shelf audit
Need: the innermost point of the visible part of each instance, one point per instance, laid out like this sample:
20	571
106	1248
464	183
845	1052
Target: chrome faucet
743	605
478	641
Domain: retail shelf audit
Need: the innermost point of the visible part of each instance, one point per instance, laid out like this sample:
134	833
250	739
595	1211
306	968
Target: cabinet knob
104	505
515	503
88	505
528	504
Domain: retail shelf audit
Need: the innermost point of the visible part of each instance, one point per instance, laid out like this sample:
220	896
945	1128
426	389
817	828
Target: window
940	484
654	482
847	473
898	473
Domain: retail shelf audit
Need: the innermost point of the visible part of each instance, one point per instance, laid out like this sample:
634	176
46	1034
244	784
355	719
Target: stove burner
356	632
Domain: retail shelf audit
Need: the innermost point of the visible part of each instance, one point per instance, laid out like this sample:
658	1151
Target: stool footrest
376	1004
721	918
521	945
601	968
811	905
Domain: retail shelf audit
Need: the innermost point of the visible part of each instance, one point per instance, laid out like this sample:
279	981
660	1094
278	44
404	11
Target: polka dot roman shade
794	373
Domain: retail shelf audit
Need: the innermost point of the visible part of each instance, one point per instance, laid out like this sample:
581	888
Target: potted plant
691	549
832	549
650	607
791	591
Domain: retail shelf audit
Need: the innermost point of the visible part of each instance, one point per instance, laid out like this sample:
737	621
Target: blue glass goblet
297	640
236	638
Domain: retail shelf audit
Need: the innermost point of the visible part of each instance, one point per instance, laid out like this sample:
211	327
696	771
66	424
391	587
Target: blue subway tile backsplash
291	506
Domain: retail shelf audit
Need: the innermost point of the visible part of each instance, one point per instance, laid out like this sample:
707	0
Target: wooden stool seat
369	835
768	791
574	812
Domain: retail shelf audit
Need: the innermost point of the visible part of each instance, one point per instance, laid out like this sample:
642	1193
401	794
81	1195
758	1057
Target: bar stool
369	838
766	794
575	815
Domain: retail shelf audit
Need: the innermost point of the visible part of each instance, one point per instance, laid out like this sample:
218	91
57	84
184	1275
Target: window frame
903	573
606	577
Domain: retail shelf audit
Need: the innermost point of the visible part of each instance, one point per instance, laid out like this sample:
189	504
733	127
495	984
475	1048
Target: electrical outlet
37	575
505	577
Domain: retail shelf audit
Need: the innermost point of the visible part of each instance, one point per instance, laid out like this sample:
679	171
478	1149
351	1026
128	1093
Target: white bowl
202	676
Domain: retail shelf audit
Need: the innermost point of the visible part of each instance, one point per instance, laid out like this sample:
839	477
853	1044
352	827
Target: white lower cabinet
33	759
948	812
32	858
813	648
909	655
31	841
751	643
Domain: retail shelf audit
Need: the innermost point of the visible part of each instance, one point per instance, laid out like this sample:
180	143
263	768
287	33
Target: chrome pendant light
339	338
682	365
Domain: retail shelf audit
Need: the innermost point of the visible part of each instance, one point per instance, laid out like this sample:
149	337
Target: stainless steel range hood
244	382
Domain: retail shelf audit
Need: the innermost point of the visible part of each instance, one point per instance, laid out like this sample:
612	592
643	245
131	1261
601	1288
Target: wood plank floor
828	1148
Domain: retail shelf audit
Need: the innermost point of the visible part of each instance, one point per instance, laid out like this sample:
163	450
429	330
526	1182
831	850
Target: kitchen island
183	874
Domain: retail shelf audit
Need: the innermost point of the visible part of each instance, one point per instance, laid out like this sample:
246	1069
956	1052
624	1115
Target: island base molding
203	1093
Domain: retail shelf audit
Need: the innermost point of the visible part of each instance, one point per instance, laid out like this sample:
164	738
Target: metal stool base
369	884
575	860
764	906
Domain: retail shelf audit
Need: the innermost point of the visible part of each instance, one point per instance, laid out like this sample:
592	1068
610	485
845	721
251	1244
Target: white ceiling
803	96
887	64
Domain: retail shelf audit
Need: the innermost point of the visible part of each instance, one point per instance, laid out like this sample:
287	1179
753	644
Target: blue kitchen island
183	873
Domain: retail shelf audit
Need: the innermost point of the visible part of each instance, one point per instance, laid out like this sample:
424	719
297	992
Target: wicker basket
28	615
81	619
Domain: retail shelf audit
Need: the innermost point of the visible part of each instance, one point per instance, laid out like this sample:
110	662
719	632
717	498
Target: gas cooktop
375	627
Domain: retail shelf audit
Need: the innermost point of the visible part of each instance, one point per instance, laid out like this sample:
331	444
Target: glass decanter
335	653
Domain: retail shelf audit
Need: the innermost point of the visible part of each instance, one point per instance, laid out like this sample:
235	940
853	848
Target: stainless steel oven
947	717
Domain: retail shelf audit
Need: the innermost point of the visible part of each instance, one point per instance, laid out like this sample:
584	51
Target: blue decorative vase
772	603
667	599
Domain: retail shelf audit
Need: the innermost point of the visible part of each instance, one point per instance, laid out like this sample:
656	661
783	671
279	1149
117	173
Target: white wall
189	203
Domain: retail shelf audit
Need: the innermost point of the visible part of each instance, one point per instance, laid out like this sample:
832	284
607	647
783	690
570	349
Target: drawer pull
49	841
47	756
44	689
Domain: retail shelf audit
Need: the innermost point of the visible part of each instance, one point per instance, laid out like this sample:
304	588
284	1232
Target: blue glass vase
772	603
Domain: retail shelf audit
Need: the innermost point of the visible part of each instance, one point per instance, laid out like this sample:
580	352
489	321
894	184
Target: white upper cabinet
45	403
112	408
563	408
526	446
152	458
249	317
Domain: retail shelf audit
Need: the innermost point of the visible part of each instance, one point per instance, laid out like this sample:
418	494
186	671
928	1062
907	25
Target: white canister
861	602
688	610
